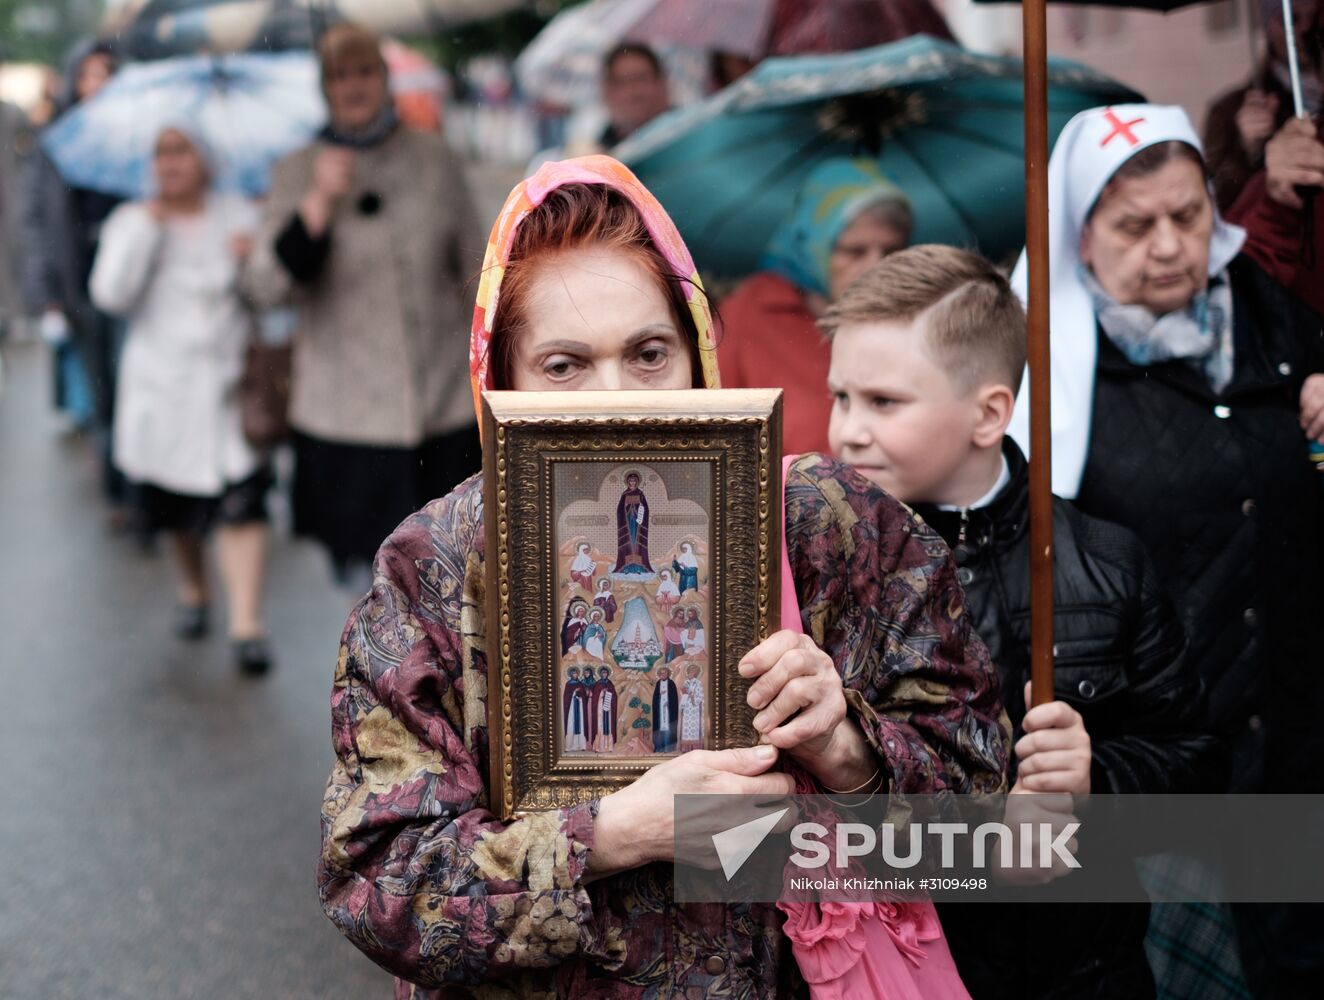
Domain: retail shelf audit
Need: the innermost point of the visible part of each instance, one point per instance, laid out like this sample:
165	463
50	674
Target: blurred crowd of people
1187	396
151	307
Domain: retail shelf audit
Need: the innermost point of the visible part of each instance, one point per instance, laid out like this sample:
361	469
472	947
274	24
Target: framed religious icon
633	549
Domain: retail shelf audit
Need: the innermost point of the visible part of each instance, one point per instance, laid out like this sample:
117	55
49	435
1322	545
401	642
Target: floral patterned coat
419	874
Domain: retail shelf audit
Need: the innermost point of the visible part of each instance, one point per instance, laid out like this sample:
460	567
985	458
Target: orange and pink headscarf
531	193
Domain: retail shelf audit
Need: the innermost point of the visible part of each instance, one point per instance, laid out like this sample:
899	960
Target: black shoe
191	621
252	656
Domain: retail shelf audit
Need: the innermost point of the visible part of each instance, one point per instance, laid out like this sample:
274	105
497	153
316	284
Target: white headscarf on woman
1089	151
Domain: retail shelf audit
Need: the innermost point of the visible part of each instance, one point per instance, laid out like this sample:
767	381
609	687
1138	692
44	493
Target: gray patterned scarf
1200	334
373	134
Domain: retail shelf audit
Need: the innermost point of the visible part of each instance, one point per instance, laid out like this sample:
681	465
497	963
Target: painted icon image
633	543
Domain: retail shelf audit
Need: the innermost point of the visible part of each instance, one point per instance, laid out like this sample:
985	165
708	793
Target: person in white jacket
169	264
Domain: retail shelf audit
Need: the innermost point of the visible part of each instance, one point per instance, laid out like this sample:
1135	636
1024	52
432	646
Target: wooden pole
1041	443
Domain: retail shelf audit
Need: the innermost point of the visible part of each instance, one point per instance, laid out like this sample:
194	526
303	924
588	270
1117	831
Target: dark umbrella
759	28
1162	6
940	122
844	25
156	28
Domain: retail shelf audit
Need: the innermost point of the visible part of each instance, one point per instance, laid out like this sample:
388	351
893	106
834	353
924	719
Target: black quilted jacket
1220	490
1119	644
1120	662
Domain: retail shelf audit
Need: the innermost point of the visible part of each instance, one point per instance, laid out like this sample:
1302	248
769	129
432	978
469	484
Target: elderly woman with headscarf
847	218
1179	374
588	286
170	265
369	232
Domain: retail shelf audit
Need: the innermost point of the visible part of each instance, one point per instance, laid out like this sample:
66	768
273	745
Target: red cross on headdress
1120	128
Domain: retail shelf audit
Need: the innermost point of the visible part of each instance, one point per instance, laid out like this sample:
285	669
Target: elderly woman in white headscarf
170	265
1182	379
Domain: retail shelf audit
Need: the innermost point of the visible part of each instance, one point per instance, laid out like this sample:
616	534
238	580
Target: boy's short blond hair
974	325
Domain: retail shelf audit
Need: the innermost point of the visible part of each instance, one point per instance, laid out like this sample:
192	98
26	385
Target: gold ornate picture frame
633	555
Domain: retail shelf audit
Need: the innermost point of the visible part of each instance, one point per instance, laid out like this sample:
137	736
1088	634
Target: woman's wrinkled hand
800	707
636	825
796	693
1312	408
1294	157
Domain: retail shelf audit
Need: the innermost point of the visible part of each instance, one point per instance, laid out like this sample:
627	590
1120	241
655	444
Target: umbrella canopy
563	64
737	26
801	26
249	109
1159	5
760	28
157	28
944	124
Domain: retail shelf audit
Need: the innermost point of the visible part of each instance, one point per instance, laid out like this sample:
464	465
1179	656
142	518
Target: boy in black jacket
927	354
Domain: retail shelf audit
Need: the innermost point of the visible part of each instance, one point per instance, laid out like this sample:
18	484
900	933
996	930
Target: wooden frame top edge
696	405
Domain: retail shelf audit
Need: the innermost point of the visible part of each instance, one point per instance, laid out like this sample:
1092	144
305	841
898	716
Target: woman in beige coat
369	232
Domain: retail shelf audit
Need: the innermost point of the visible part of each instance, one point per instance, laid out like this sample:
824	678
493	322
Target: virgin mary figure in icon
632	530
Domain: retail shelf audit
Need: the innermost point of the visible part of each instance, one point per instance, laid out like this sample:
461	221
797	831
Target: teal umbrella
945	124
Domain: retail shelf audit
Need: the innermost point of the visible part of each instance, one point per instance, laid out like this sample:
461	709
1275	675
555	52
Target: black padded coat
1119	661
1220	489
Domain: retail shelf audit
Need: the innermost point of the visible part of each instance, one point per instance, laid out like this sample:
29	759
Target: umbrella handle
1293	67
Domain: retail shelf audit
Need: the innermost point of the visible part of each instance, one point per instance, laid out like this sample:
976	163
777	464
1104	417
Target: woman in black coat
1182	380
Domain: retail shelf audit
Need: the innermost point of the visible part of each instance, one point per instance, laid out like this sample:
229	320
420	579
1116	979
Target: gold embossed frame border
525	435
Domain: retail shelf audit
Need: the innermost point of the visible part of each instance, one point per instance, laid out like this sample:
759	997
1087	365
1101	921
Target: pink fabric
790	602
872	951
863	951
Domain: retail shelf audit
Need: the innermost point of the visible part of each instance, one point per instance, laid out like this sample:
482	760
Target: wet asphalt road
159	813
